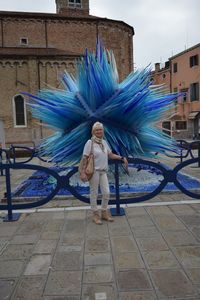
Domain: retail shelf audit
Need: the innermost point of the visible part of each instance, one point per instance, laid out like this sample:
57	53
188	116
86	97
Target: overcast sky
162	27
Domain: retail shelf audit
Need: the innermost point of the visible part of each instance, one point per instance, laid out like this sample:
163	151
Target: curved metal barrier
64	182
11	154
186	150
34	152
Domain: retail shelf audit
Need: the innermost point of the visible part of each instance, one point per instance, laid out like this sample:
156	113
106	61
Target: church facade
36	48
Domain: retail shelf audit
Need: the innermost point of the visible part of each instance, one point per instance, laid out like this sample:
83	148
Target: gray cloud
162	28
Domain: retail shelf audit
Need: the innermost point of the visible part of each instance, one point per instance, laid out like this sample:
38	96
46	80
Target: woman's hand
83	177
125	161
118	157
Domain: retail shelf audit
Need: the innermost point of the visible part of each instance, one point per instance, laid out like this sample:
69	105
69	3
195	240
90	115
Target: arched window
19	111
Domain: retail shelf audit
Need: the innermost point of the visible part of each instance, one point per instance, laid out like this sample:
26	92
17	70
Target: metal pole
181	152
1	161
8	194
118	211
10	217
117	188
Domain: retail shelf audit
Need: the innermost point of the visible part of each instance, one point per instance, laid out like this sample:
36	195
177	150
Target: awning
193	115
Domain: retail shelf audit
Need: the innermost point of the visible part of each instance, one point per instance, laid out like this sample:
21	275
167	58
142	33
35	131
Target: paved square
151	253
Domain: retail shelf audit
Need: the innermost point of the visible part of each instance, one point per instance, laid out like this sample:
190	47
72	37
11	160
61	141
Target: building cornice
61	17
19	52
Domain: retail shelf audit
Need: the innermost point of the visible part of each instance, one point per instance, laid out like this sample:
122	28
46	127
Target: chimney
157	67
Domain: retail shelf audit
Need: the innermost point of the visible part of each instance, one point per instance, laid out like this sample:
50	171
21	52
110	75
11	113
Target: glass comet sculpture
129	110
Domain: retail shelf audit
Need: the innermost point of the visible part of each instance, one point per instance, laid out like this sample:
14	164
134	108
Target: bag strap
92	145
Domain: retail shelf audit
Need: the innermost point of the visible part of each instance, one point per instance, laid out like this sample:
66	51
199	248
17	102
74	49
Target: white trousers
99	178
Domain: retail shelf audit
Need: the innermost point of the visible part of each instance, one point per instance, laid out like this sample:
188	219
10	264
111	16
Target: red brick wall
29	73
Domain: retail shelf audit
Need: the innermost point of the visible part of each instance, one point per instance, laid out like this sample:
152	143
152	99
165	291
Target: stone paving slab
194	275
137	295
135	279
97	245
92	258
25	239
63	283
11	268
189	256
38	264
45	247
180	238
152	243
150	231
16	252
98	274
29	288
128	260
99	291
123	244
153	252
167	223
172	283
6	288
160	259
72	260
6	230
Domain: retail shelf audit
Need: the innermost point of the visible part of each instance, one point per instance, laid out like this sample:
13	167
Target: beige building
35	49
182	74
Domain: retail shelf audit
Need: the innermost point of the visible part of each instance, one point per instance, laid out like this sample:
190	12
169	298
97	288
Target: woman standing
101	152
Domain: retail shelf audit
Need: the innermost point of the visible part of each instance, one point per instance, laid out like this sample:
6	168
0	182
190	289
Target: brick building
35	49
182	74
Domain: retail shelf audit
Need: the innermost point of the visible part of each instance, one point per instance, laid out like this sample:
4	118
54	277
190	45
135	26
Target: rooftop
46	16
185	51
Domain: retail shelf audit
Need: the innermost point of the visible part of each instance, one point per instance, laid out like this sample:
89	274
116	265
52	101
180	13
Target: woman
101	152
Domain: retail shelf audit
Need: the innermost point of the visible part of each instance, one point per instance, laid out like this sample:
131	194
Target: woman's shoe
105	215
96	218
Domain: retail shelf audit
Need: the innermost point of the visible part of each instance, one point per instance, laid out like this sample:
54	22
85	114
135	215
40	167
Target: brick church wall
27	72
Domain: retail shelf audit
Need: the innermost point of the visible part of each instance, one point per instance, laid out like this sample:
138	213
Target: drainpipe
170	75
46	34
2	35
97	29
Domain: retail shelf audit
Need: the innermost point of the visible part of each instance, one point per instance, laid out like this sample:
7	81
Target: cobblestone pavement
153	252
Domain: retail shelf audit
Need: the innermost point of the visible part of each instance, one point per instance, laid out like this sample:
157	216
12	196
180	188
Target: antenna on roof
186	36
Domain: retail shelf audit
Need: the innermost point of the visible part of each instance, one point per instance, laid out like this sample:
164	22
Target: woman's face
98	132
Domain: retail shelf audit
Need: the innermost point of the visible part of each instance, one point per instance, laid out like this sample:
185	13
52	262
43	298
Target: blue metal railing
186	150
64	182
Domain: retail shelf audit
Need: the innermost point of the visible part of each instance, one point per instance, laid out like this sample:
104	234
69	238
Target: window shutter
191	64
197	91
191	92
